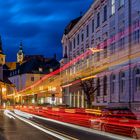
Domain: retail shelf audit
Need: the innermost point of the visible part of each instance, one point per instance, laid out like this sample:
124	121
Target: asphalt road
16	129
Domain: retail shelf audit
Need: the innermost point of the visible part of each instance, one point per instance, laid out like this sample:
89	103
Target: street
15	129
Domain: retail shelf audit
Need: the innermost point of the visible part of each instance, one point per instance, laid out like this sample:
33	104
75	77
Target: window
32	78
82	37
105	85
122	82
92	25
87	30
98	87
98	20
121	43
137	80
98	56
70	46
112	48
112	7
136	36
105	13
65	53
121	3
105	52
112	85
40	69
74	43
78	39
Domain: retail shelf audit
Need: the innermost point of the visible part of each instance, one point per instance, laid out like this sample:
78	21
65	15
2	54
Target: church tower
2	56
2	60
20	54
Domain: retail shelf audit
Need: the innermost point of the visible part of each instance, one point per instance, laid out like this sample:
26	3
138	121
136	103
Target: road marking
46	130
117	137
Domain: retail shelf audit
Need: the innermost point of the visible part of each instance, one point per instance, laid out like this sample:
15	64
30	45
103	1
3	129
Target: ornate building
112	28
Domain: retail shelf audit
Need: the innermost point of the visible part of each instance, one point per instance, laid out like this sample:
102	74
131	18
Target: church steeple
20	54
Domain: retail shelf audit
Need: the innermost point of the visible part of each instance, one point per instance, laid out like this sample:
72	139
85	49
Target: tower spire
20	46
20	54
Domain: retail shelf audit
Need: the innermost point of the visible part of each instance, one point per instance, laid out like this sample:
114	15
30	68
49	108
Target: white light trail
117	137
43	129
6	113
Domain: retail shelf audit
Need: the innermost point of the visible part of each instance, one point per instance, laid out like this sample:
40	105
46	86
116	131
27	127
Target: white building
114	27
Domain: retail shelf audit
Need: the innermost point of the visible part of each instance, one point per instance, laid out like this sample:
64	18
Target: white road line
117	137
50	132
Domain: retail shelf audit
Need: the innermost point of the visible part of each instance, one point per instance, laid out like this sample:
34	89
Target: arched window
137	80
122	82
112	84
98	87
105	85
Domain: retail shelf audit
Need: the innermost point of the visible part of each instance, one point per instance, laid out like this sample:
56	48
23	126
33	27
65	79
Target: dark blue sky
39	24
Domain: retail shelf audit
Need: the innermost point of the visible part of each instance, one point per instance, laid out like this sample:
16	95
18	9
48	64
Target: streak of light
35	125
83	79
117	137
6	113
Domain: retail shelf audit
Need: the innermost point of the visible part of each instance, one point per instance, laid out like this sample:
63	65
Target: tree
89	89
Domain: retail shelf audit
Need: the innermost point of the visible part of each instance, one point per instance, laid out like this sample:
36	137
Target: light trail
90	51
41	128
7	113
117	137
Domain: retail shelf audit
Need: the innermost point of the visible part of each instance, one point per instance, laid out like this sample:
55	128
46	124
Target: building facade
7	89
28	70
112	27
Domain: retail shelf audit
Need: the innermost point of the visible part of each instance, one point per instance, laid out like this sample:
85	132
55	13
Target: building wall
112	36
24	80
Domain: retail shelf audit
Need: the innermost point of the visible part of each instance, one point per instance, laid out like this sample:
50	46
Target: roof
71	25
11	65
34	64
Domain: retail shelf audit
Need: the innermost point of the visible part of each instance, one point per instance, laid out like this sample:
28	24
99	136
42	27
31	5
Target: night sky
39	24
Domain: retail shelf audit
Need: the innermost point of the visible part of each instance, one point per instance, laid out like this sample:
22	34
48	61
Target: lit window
112	7
40	69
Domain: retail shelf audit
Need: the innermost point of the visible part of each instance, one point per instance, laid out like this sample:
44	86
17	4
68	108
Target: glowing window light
3	89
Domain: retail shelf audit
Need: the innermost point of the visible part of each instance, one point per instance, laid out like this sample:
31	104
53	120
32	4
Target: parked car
119	121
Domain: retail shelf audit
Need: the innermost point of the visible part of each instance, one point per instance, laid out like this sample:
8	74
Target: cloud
38	23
